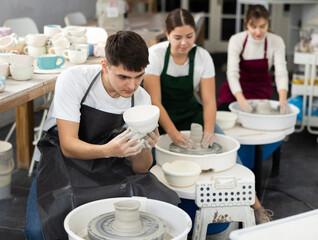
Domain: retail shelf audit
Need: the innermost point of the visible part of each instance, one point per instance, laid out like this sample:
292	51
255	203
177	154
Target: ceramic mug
51	30
57	50
21	60
36	40
5	57
8	42
76	31
5	31
81	47
59	40
21	73
4	69
75	39
34	51
3	83
50	61
76	57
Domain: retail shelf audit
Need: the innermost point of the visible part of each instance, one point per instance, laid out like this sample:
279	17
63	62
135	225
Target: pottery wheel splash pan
216	162
214	149
100	228
266	122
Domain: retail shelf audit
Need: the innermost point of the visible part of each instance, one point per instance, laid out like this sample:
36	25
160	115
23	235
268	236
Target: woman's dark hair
127	48
255	12
178	18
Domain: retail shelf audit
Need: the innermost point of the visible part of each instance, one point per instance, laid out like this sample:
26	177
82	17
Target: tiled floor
293	191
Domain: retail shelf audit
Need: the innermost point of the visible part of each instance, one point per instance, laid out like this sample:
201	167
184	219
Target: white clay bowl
181	173
142	119
215	162
264	121
225	119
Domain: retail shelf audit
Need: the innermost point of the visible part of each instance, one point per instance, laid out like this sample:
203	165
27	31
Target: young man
84	149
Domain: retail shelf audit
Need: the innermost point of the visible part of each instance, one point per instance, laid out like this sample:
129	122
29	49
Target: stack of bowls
36	44
21	67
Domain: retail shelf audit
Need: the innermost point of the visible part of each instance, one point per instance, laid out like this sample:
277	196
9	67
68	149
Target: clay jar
127	216
263	107
196	133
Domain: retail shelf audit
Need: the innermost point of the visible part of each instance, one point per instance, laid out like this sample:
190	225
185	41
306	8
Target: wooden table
20	95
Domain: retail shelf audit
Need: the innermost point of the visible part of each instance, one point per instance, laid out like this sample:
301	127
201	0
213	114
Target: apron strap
244	44
265	47
91	85
191	61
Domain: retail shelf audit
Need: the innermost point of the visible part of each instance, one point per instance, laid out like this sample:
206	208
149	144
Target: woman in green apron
180	81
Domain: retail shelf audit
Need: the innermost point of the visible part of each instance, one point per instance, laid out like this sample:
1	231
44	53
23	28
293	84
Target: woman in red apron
250	56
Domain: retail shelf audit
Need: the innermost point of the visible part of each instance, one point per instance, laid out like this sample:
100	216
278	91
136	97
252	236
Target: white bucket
6	167
178	223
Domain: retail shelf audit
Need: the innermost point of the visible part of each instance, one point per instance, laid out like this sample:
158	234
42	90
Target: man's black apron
65	183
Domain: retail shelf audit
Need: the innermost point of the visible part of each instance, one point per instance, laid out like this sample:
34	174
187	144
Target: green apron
177	96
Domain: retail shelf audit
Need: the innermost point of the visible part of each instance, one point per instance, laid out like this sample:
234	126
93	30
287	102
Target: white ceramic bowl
225	119
143	118
21	73
181	173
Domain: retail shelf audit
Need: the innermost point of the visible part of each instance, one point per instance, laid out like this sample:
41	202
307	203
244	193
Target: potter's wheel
100	228
214	149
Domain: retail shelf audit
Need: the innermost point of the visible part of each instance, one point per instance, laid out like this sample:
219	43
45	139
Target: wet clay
196	134
127	222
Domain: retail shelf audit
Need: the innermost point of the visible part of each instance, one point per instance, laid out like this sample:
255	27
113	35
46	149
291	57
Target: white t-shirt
203	65
72	84
254	49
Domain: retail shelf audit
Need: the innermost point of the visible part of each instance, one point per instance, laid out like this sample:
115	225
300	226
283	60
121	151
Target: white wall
45	12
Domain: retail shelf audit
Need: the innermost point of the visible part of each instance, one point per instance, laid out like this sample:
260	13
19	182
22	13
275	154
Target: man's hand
151	139
124	145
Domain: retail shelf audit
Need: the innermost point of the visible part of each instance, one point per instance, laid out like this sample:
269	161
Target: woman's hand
123	145
283	109
246	105
207	139
182	140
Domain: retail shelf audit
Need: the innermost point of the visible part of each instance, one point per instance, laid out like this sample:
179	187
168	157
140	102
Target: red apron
255	80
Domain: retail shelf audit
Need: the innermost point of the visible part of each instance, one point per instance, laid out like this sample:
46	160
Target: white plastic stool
205	216
224	196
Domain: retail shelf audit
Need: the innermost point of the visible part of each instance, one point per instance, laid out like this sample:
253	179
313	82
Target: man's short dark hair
127	48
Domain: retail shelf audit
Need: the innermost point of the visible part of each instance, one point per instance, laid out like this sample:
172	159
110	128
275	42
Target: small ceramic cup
8	42
34	51
3	83
21	73
59	40
5	31
5	57
4	69
57	50
50	61
21	60
51	30
36	40
75	39
75	56
81	47
76	31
